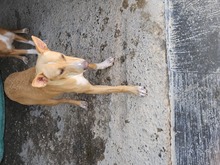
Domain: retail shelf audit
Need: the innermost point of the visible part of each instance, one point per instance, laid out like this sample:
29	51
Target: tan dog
6	47
55	74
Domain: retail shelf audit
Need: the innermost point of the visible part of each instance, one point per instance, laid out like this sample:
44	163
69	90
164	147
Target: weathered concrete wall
117	129
193	46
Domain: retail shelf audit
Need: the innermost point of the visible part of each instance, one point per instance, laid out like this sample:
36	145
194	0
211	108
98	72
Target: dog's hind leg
82	104
105	64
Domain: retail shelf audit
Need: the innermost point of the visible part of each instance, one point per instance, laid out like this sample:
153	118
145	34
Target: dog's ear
40	81
40	45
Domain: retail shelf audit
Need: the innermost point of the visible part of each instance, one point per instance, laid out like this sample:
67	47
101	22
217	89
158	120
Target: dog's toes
26	30
84	105
110	61
142	91
24	59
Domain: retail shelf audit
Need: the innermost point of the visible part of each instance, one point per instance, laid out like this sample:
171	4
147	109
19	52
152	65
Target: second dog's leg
105	64
99	89
23	40
23	51
24	30
23	58
17	52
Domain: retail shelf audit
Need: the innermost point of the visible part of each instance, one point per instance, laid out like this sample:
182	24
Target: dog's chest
7	40
79	79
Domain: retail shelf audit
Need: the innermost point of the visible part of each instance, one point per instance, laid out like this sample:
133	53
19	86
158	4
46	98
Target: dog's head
52	66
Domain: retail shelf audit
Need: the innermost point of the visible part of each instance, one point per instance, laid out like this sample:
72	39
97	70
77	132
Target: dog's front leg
102	65
80	103
99	89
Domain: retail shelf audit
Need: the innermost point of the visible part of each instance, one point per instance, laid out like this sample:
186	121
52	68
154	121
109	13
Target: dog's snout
85	65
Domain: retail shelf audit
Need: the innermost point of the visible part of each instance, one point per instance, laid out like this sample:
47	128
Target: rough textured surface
117	129
193	46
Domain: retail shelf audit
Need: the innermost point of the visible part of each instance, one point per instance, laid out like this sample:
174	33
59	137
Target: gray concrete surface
117	129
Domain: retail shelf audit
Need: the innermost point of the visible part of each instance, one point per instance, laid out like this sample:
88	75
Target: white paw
107	63
142	91
84	105
24	59
25	30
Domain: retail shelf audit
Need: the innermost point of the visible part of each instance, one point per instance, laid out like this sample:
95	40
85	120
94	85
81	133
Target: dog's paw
109	61
142	91
84	105
26	30
24	59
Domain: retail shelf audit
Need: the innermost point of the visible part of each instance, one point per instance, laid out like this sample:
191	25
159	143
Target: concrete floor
117	129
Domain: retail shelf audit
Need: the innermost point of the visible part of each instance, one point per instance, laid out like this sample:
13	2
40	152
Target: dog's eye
63	57
61	71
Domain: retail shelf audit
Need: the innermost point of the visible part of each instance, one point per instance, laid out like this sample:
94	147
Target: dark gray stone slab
194	60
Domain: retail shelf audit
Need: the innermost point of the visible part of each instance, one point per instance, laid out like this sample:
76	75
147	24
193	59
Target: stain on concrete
141	3
145	16
105	22
122	59
125	4
125	82
133	7
132	54
84	35
135	41
124	45
159	129
117	31
152	27
127	121
103	46
100	11
18	19
68	34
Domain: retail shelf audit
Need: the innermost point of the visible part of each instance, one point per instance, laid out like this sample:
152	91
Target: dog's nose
85	65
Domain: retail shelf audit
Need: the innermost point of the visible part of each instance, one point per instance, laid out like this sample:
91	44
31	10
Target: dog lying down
55	74
8	50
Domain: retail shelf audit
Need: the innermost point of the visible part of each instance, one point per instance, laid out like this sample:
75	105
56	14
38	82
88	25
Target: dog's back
18	88
18	85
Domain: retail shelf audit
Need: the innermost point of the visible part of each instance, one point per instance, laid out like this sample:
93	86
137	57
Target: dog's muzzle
85	65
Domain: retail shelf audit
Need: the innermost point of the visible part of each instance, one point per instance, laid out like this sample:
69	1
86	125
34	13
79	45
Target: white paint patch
7	41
